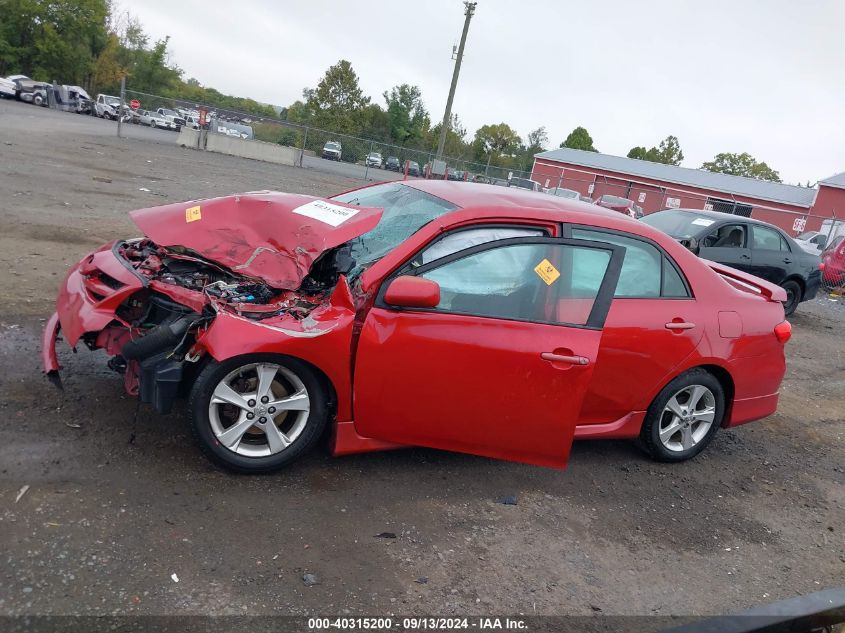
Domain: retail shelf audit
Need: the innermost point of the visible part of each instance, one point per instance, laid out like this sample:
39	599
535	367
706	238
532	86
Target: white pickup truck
171	116
106	106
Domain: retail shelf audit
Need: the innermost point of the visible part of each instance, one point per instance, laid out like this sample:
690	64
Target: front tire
257	413
793	296
684	417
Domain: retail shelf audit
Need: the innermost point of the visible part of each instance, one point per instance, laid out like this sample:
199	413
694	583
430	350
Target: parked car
154	119
525	183
172	116
9	85
560	192
833	262
106	107
332	150
192	121
622	205
414	168
373	160
748	245
812	241
392	163
470	311
458	174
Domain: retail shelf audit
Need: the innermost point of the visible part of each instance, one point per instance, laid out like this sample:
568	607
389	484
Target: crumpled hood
273	236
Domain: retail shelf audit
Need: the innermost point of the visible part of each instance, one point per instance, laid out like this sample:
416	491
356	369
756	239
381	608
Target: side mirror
692	245
412	292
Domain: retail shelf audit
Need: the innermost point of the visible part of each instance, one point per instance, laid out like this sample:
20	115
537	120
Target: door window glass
640	275
673	284
459	240
544	283
727	236
768	239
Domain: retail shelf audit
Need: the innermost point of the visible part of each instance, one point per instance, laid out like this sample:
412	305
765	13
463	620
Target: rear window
615	200
679	224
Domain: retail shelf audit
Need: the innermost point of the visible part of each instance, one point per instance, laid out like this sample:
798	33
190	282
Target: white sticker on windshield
702	222
331	214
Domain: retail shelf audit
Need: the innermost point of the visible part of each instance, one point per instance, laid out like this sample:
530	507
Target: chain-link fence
830	240
313	143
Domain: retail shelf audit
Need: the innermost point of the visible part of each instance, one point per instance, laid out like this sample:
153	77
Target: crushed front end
147	305
268	259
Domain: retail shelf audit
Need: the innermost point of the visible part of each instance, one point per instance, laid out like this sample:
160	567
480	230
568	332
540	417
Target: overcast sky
760	76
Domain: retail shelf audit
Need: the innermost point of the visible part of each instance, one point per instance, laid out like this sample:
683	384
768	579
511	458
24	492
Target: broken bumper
49	360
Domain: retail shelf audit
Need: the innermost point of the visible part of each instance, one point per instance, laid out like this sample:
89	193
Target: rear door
650	329
771	257
500	367
728	244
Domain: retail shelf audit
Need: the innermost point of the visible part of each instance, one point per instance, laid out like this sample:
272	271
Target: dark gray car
752	246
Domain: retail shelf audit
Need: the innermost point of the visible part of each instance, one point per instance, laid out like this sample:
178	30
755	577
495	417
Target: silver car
154	119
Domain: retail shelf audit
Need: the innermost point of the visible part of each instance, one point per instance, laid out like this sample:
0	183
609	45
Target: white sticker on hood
703	222
331	214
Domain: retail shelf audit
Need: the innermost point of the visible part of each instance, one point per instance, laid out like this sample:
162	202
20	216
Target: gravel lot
119	499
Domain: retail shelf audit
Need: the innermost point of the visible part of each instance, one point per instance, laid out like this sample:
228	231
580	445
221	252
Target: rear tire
793	296
684	417
227	434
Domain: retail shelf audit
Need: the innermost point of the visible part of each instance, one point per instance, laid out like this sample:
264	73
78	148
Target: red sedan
463	317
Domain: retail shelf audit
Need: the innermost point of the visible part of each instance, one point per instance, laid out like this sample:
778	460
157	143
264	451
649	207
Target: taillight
783	331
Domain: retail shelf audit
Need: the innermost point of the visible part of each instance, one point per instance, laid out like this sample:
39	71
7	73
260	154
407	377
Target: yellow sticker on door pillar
192	214
547	272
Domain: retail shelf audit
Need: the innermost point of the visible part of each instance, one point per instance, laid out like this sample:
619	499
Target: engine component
160	338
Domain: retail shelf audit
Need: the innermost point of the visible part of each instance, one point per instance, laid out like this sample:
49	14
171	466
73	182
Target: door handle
560	358
786	260
682	325
744	256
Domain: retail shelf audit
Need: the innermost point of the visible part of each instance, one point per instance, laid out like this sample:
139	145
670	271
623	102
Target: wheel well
723	376
800	283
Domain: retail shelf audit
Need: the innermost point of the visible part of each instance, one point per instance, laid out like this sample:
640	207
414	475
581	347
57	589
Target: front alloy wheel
256	414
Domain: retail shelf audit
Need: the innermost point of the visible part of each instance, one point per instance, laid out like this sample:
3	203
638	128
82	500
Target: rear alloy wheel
684	417
257	413
793	296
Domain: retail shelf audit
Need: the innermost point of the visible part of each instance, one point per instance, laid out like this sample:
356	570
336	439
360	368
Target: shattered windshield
406	210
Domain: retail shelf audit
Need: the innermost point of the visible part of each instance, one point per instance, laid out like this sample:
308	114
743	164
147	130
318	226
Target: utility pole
447	115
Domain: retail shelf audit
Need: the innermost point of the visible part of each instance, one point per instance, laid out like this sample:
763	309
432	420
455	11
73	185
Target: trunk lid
747	282
271	236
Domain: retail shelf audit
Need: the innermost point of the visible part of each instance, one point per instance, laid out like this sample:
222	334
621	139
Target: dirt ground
119	499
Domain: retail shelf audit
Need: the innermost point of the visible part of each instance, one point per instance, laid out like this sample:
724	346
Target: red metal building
655	186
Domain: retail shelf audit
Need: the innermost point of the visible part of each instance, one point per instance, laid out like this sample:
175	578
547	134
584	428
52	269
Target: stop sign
134	104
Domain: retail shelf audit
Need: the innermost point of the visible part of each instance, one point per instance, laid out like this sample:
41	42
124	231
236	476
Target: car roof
472	195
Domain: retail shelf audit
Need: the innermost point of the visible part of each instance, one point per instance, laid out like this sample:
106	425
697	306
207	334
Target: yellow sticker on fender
547	272
192	214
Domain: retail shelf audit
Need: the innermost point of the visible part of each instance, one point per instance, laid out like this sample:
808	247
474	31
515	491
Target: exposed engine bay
179	295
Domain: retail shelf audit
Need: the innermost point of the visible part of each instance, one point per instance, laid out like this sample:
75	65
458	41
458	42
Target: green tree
52	39
668	152
456	145
579	138
497	143
408	117
338	101
639	152
741	165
